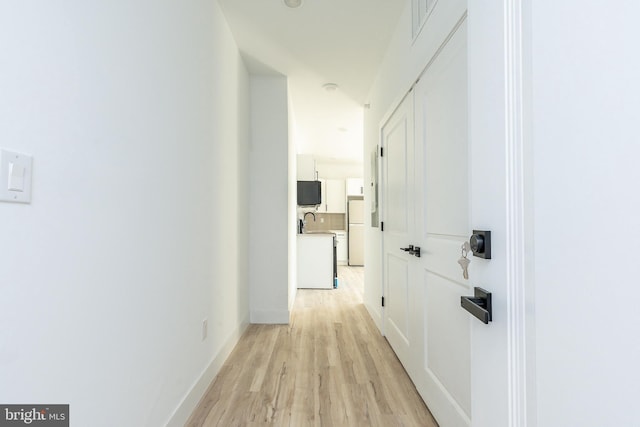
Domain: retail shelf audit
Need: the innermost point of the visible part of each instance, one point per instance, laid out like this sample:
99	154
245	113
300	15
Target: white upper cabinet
333	196
306	167
355	187
322	207
336	199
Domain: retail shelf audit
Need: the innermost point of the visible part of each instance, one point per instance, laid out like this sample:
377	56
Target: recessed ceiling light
330	87
293	3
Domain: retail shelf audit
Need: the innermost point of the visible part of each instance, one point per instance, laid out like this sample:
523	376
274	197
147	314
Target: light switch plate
15	177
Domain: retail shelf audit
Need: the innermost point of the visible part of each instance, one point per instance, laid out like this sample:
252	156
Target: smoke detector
293	3
330	87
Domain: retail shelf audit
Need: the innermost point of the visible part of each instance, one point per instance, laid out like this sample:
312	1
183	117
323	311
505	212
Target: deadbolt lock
480	243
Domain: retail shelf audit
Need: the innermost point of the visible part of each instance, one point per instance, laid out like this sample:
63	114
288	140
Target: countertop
315	233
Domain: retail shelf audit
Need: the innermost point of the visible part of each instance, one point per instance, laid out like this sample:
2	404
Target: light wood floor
329	367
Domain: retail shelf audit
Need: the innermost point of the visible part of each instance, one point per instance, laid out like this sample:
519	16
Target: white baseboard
184	410
270	317
376	315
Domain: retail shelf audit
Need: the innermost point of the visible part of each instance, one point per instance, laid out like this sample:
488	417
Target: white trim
375	316
186	407
382	210
515	218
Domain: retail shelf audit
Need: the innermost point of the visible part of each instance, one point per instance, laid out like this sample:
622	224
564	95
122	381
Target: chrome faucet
307	213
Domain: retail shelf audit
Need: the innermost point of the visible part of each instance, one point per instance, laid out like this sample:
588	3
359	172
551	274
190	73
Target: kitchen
330	220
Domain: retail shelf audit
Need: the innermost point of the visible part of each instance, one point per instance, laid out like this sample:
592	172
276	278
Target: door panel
397	183
445	166
426	204
398	296
443	212
447	339
398	205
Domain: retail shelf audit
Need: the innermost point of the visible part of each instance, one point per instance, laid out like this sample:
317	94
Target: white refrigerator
356	232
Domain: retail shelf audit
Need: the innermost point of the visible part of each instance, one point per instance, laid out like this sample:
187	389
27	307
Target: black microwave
309	193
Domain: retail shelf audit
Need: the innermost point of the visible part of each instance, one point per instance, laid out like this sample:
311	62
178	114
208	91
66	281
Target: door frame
499	59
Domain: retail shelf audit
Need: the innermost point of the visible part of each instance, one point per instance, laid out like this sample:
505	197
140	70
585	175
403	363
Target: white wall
403	63
269	217
136	113
585	114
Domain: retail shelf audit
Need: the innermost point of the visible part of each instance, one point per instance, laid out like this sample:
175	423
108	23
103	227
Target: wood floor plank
329	367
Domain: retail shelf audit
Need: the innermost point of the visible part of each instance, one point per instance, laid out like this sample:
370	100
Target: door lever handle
413	250
479	304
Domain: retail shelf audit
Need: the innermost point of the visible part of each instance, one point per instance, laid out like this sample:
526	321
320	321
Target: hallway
329	367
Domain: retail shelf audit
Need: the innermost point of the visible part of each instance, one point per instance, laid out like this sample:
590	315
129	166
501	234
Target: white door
426	204
469	373
442	225
397	194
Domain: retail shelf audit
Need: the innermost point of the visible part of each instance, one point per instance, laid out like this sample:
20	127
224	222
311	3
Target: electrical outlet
205	327
321	220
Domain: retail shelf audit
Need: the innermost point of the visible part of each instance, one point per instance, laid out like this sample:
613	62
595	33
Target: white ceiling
323	41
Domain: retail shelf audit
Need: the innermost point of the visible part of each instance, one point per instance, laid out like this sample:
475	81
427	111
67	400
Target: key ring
464	252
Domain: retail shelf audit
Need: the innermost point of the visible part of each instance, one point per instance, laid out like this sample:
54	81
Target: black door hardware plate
416	251
480	243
